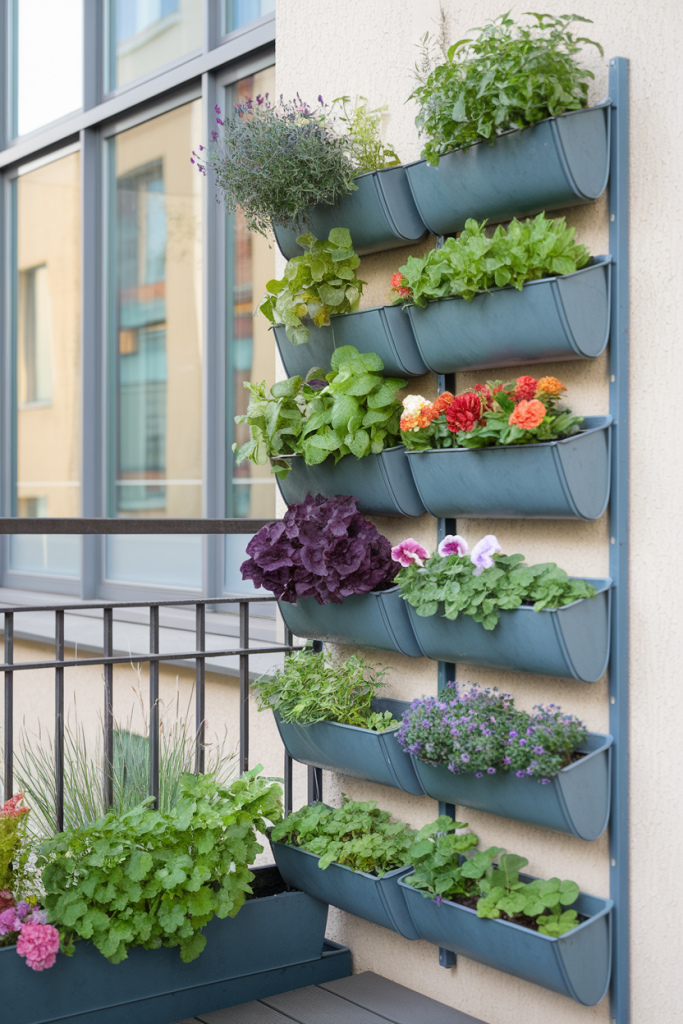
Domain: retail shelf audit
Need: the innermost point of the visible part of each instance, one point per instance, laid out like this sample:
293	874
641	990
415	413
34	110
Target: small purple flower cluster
480	732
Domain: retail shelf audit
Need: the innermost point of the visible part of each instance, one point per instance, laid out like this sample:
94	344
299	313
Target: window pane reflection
241	12
49	74
146	34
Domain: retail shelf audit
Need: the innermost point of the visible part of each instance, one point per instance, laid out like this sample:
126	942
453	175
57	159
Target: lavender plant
482	732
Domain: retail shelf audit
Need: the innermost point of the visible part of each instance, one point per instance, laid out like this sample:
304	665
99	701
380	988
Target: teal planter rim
608	420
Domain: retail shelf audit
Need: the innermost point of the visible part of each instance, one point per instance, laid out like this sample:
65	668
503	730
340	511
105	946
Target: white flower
413	403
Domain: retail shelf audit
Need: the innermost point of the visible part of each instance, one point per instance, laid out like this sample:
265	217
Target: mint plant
149	879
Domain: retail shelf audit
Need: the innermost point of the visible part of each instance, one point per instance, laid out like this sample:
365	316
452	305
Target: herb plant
312	688
321	548
474	262
481	732
363	126
317	284
480	584
150	879
523	411
510	76
352	411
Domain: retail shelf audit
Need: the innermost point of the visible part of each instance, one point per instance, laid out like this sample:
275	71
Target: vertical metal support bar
200	689
289	781
59	722
108	647
9	707
619	533
315	775
244	687
154	704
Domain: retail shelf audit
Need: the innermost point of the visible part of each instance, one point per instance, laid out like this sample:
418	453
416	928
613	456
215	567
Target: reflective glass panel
147	34
241	12
49	71
48	361
156	344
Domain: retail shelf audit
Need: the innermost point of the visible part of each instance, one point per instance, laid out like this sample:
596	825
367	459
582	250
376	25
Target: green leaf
341	237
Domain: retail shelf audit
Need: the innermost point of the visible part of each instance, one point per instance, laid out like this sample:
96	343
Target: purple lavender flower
491	771
513	734
452	545
544	782
521	774
539	750
217	109
438	900
482	553
321	100
465	757
507	760
214	135
479	775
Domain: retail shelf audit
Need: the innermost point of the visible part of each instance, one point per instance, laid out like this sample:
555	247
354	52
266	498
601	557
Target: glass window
241	12
48	361
49	71
146	34
156	460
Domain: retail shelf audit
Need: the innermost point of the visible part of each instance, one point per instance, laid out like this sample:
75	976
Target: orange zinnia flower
550	386
527	415
442	403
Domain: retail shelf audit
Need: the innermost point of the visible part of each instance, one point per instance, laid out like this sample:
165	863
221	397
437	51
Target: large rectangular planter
382	483
552	319
577	965
561	161
568	479
381	214
576	801
154	986
572	641
378	620
348	749
374	899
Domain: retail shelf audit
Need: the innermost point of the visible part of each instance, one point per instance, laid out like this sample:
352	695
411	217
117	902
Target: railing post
9	706
154	704
200	689
244	687
288	760
315	775
108	645
59	722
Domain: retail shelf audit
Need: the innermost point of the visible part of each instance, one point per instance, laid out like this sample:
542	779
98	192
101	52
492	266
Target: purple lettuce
323	548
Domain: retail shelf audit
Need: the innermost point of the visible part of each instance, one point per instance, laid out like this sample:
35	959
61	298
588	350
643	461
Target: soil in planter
520	919
268	882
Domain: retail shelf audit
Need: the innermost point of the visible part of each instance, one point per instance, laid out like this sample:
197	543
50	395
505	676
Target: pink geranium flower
409	551
39	943
452	545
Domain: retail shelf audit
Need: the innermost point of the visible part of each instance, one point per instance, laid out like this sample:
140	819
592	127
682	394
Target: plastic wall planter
567	479
299	359
382	483
577	799
381	214
555	318
577	965
572	641
385	330
562	161
374	899
361	753
378	620
154	986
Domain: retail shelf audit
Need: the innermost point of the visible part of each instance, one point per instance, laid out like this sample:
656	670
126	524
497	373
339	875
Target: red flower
526	389
11	809
463	413
396	280
442	403
486	395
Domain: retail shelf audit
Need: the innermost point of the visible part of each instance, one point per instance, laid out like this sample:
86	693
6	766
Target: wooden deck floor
361	999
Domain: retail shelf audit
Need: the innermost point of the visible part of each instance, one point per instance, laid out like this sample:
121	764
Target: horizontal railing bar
109	527
124	659
90	606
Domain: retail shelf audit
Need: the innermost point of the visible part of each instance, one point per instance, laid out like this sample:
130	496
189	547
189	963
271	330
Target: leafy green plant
353	410
474	262
147	878
317	284
362	126
511	76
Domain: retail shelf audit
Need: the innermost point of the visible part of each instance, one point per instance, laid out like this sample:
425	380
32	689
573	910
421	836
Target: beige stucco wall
369	49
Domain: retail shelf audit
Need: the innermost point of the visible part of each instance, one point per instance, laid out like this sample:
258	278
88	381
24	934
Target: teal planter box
562	161
576	801
552	319
572	641
378	620
567	479
374	899
577	965
351	750
299	359
382	483
268	936
381	214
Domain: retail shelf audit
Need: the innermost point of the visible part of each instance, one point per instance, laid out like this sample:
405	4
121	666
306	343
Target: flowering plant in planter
481	583
482	732
474	262
352	410
321	548
523	411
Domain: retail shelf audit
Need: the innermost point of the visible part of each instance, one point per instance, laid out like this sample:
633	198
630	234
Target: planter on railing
552	319
577	964
381	214
561	161
153	986
374	899
577	799
348	749
572	641
378	620
567	479
382	483
299	359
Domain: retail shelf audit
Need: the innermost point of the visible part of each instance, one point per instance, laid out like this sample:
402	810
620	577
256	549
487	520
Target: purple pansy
482	553
409	551
452	545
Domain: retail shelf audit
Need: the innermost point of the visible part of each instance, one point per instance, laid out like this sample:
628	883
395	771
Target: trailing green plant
312	688
352	410
147	878
363	126
509	77
480	584
475	262
321	282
